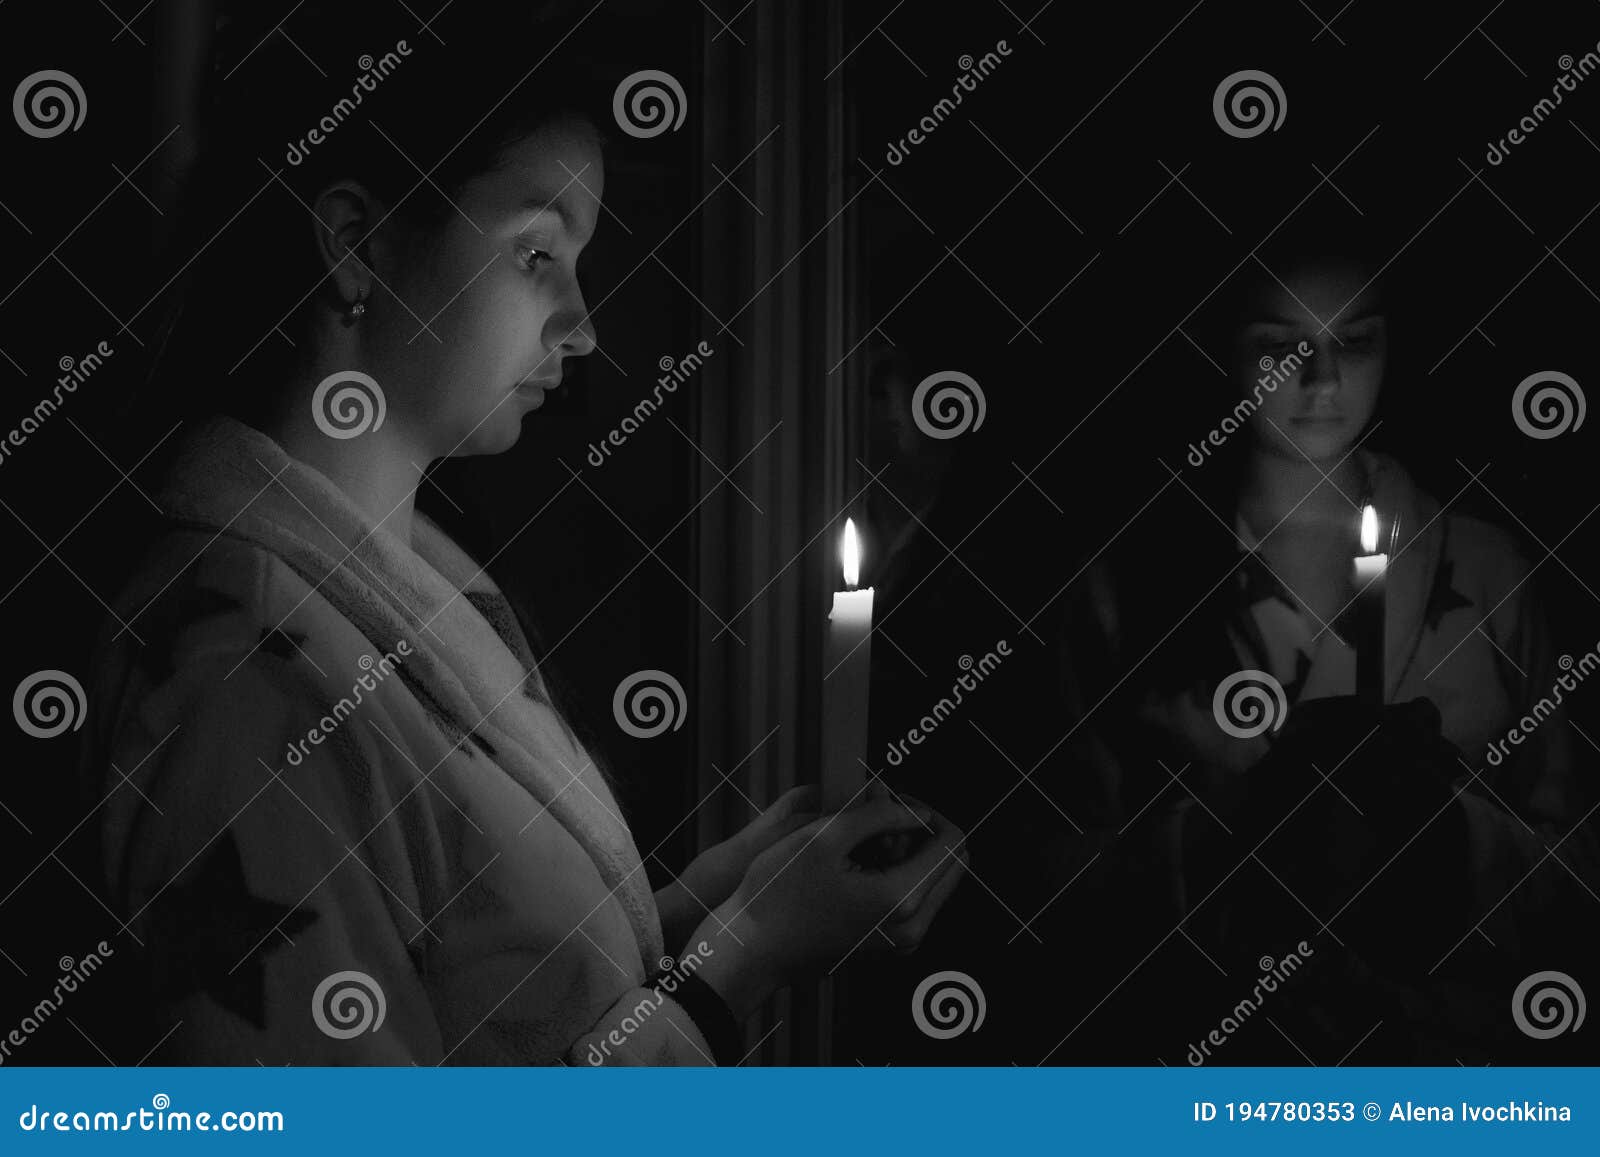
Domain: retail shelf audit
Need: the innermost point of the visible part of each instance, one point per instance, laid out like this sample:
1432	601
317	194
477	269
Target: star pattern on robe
157	657
1257	584
209	934
1302	671
280	644
1443	596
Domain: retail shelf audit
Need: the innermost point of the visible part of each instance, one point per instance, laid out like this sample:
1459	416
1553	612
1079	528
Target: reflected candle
847	668
1370	577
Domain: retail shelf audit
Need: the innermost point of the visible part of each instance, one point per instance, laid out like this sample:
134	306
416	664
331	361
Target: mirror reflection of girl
1255	851
353	782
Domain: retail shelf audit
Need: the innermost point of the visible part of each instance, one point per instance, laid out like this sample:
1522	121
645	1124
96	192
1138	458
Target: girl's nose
1321	372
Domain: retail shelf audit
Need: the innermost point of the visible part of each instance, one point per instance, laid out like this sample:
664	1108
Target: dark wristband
713	1017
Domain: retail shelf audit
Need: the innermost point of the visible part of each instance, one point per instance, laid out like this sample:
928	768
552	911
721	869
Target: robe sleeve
1133	830
1532	841
265	893
283	907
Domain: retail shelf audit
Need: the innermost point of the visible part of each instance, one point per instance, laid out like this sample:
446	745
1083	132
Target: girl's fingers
937	864
805	798
907	933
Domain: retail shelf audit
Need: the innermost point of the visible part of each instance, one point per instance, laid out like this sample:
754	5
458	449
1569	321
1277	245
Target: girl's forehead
559	164
1330	291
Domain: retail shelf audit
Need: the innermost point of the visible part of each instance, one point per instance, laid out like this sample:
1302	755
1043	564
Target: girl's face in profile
1320	407
498	284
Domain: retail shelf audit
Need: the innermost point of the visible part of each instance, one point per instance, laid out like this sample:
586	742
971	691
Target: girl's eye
529	258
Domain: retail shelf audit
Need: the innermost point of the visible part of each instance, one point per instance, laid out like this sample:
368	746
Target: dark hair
412	113
1307	237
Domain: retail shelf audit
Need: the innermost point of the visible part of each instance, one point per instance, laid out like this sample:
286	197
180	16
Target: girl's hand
805	903
714	874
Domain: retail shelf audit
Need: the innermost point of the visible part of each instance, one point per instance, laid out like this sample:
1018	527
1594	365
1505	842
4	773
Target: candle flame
1369	529
850	553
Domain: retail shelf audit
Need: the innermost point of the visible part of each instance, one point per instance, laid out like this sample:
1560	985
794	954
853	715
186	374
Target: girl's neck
378	470
1297	492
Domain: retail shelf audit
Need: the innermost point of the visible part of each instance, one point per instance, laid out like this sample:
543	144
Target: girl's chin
1324	448
496	435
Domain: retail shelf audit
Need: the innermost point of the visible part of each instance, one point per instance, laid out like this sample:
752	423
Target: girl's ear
346	214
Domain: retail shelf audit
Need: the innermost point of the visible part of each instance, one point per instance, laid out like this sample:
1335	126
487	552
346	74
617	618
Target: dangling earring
355	311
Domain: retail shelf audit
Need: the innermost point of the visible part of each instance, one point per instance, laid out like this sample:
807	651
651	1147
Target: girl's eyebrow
541	203
1368	314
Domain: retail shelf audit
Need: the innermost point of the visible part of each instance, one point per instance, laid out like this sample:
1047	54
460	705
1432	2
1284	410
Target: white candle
1370	570
847	669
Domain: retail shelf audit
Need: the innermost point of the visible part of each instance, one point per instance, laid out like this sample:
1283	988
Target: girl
1386	840
360	829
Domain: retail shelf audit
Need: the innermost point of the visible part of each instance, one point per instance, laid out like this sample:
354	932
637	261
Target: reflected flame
850	553
1369	529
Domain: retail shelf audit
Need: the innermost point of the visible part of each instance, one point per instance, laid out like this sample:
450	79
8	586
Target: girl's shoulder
197	592
1474	534
203	615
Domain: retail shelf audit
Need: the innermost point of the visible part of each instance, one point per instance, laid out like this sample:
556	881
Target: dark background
1494	277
